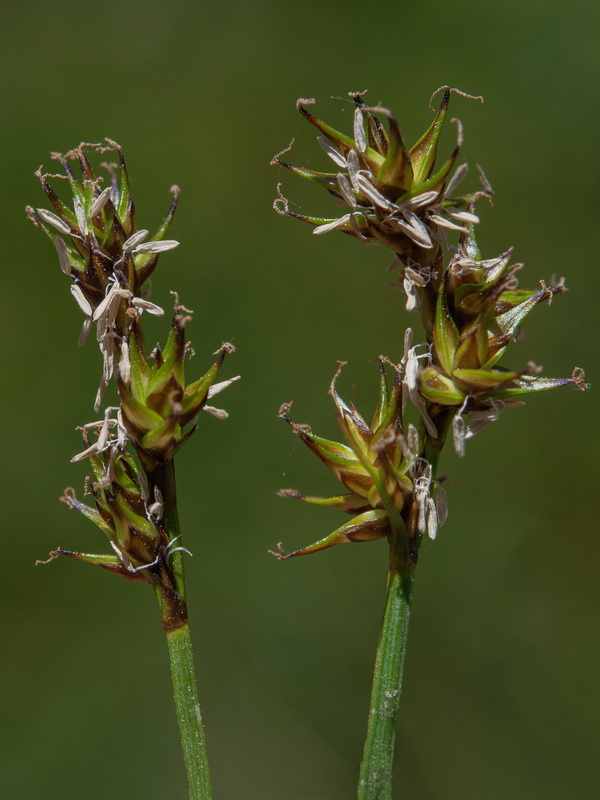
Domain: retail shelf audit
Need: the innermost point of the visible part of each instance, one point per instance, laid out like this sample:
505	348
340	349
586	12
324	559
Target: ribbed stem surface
189	717
378	756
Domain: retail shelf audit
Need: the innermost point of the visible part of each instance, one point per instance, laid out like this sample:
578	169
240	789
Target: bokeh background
501	695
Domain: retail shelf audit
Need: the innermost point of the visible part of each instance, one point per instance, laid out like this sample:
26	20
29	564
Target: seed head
395	194
389	482
100	248
159	409
479	309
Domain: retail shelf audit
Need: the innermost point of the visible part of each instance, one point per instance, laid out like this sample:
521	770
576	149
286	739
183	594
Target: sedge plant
131	447
471	308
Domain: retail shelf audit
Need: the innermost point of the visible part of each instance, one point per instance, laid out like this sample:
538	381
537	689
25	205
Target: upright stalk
131	448
176	627
378	756
189	717
375	781
471	309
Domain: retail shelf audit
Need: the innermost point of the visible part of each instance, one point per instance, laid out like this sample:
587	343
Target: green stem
189	716
170	594
378	757
376	768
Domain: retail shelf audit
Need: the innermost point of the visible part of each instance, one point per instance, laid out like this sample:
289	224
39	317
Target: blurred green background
501	695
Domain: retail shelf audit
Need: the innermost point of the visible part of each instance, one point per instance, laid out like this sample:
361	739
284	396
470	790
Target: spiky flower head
479	309
389	482
394	194
131	449
126	511
159	409
101	249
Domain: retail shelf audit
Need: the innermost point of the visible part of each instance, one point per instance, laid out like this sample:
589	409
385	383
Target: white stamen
366	187
421	494
459	433
100	394
422	520
415	222
441	503
53	220
445	223
420	200
359	131
219	413
412	298
157	247
110	305
216	388
81	300
332	151
122	433
107	348
346	190
99	423
109	472
90	451
143	484
134	240
114	192
124	363
432	521
156	509
417	277
462	216
85	329
330	226
63	255
353	168
412	439
412	385
146	305
103	441
408	338
479	420
415	235
100	202
457	178
412	367
80	215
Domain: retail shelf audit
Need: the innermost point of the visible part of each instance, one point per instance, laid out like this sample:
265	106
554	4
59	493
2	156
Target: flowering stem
376	768
189	717
175	623
378	756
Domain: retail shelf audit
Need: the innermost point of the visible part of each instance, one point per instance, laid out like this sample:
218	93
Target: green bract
100	223
395	194
124	514
479	308
103	252
389	483
108	261
156	402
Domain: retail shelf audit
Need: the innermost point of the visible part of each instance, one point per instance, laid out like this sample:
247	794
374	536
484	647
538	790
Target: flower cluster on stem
471	308
109	260
132	447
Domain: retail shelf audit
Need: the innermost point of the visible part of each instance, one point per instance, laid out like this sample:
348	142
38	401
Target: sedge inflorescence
471	309
108	260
